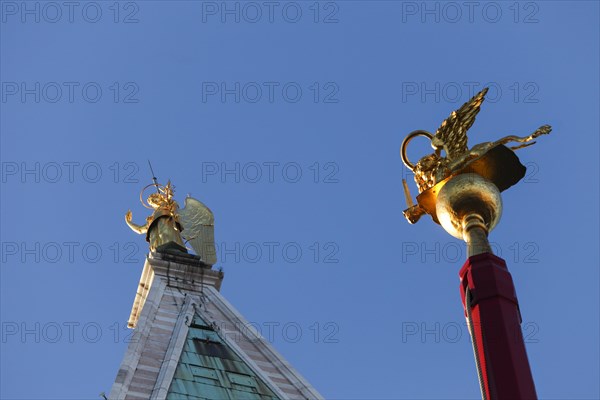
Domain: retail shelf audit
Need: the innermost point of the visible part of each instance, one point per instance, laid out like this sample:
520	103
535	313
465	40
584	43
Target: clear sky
286	119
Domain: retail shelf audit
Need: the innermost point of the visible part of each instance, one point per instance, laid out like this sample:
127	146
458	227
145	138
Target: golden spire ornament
463	187
169	227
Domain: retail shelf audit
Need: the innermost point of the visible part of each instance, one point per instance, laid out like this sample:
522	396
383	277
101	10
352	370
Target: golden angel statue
169	227
492	160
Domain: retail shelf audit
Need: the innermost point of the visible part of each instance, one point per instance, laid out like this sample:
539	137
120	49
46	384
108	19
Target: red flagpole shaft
495	322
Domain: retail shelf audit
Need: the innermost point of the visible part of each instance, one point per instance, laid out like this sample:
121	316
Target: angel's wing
199	229
453	131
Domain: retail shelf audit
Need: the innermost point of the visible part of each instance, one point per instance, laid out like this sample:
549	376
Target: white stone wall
168	294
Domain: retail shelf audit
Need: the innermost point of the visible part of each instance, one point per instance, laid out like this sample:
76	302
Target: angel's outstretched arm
141	229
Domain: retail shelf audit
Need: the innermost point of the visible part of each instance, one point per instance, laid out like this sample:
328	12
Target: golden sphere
467	194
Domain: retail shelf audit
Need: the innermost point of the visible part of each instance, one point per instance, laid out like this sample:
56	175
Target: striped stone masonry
172	290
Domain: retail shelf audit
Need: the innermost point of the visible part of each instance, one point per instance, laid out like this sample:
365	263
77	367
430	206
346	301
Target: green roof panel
209	369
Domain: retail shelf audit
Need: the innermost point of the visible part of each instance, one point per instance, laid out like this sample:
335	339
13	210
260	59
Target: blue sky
286	119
